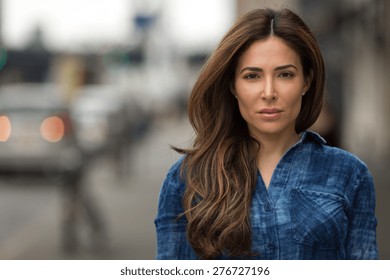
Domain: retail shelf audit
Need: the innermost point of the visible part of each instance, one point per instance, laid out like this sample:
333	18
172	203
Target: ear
308	80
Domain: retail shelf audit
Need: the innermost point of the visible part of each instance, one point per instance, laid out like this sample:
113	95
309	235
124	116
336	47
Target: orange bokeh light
5	128
53	129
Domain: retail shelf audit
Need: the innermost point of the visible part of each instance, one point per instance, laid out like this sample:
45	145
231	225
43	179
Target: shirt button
267	207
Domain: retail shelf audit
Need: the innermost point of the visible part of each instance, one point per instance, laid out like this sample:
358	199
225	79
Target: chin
272	129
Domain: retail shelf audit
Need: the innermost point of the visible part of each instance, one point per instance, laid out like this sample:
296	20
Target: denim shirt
320	204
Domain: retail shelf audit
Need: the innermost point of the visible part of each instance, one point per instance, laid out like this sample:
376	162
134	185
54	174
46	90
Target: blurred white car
99	116
36	132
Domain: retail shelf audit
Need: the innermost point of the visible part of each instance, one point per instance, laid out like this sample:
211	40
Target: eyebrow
257	69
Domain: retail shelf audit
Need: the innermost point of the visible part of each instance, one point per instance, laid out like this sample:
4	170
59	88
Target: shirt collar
312	136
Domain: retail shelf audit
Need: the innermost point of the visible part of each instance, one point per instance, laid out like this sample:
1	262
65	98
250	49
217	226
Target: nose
268	92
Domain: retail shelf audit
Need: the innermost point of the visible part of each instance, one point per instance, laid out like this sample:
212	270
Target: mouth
270	114
270	111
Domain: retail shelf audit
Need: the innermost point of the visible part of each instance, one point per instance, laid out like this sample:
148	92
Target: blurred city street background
93	93
31	217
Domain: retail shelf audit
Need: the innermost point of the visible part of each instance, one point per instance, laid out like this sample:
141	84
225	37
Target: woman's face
269	84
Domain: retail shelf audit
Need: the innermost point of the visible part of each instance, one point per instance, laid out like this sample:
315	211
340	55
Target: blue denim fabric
320	204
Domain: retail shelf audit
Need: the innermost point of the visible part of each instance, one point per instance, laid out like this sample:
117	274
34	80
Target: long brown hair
220	170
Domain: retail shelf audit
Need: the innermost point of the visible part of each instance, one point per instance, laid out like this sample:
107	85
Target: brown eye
251	76
286	75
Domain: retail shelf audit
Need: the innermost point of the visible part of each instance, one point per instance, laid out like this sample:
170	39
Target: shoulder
326	151
336	169
171	193
329	156
173	178
175	169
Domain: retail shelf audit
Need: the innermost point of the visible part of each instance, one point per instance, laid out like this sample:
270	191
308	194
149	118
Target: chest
294	216
266	170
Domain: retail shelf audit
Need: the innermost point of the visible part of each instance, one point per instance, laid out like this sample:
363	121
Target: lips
270	111
270	114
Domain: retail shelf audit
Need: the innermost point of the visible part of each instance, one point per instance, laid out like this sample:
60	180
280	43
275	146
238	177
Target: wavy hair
220	170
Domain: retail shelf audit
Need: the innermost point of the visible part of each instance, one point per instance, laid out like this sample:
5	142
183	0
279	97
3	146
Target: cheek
243	107
247	111
246	93
296	106
245	99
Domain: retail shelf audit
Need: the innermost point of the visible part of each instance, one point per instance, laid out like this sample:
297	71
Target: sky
83	24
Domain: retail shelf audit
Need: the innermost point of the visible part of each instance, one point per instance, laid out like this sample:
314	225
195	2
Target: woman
256	184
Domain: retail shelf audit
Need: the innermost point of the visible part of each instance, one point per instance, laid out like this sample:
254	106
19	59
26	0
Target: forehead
270	52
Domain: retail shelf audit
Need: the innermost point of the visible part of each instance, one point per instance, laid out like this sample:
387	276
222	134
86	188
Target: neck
272	148
276	145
